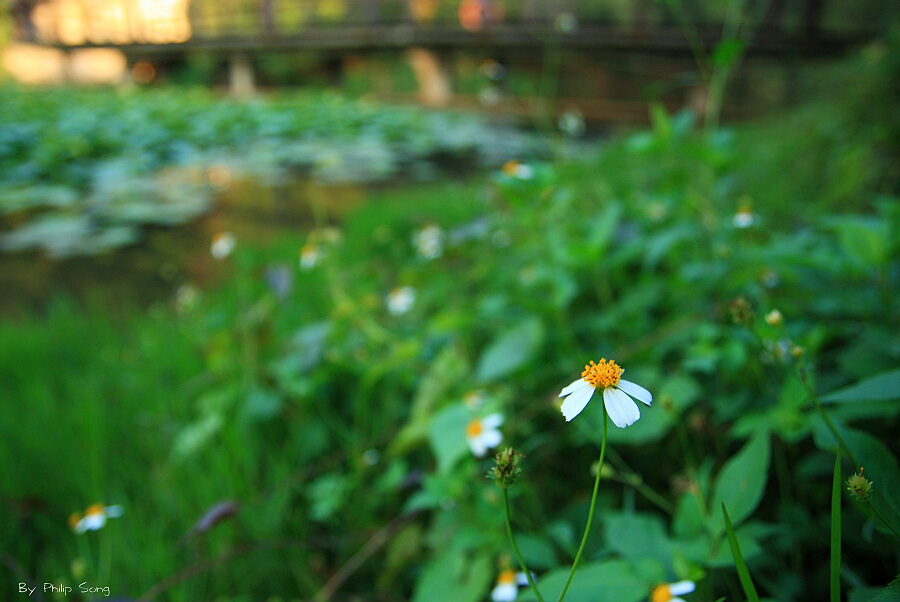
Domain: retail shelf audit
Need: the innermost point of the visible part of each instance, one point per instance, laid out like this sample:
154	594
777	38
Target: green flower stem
825	417
516	548
587	527
844	447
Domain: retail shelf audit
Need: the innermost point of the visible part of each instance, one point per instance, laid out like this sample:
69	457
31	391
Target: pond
132	234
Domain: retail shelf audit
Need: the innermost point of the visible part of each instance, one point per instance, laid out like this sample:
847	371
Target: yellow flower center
474	429
511	167
661	593
94	510
507	577
603	374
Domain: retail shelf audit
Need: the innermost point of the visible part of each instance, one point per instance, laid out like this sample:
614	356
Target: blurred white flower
571	123
493	70
429	241
186	298
744	218
566	22
94	518
508	583
668	592
482	434
222	245
400	300
606	376
516	169
774	318
474	399
310	255
489	96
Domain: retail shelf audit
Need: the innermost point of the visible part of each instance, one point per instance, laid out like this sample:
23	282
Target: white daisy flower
94	518
482	434
744	218
669	592
222	245
310	255
774	318
429	241
507	588
516	169
400	300
606	376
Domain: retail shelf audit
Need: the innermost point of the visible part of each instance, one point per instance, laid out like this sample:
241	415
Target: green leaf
727	52
740	565
881	387
454	576
510	351
191	438
607	581
741	481
326	495
889	594
447	435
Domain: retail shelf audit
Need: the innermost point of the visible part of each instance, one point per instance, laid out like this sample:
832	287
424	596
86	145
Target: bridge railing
122	22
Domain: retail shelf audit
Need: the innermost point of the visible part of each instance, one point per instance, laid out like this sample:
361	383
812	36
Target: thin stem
587	527
515	548
825	417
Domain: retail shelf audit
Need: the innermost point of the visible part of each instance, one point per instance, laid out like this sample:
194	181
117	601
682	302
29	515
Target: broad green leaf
741	481
447	435
889	594
608	581
195	435
638	536
537	551
884	386
448	368
880	467
326	495
454	576
510	351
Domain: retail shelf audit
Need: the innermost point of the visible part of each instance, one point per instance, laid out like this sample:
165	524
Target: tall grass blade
836	530
740	565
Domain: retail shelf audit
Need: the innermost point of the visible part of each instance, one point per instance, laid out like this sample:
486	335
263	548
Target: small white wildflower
483	434
617	393
222	245
400	300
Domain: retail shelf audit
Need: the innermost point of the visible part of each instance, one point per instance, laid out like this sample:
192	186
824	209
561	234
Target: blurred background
266	265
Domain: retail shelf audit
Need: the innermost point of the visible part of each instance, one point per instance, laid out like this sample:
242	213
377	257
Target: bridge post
432	76
241	82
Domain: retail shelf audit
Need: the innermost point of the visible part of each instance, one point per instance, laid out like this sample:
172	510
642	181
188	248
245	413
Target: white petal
682	587
505	592
491	421
113	511
636	391
574	403
491	438
621	408
477	447
576	385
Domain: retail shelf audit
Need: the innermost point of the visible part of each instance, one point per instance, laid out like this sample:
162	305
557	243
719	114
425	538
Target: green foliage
338	423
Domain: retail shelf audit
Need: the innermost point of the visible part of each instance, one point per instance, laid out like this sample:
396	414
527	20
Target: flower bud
506	468
860	487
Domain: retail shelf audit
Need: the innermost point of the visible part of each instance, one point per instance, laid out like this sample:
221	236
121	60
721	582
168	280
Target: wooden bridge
521	32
